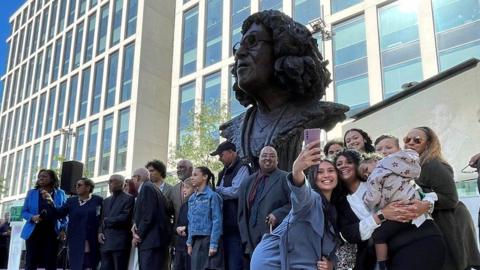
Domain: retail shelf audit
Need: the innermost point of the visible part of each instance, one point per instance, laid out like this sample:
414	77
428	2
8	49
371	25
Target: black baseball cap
224	146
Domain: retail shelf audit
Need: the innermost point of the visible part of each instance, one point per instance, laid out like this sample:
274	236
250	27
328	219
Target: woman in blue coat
42	226
306	238
83	221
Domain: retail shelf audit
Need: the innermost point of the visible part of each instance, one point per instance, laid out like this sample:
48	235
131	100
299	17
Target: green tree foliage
201	138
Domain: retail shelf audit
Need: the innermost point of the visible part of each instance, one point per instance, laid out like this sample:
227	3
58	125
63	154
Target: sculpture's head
278	53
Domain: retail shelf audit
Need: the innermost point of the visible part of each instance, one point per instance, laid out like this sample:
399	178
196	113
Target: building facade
376	46
83	79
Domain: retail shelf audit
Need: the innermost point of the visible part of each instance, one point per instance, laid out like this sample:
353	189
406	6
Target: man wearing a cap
229	180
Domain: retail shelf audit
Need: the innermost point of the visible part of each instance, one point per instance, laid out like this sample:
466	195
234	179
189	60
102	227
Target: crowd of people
366	205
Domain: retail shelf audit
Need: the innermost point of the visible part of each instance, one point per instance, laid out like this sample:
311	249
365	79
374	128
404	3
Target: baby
390	179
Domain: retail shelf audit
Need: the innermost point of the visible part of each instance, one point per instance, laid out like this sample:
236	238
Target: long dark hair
353	156
54	182
210	176
368	141
312	178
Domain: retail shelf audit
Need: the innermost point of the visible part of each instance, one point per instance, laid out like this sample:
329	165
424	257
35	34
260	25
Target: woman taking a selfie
306	235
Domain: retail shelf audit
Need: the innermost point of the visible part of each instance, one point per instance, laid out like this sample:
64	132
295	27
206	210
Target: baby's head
368	163
187	188
386	145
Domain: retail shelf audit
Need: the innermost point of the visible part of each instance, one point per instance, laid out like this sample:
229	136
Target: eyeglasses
464	170
416	140
248	42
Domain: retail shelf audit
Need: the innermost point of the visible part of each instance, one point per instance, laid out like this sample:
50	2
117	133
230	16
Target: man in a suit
184	171
114	232
264	200
151	229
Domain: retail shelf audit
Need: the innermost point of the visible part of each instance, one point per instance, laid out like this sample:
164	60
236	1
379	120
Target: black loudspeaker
72	171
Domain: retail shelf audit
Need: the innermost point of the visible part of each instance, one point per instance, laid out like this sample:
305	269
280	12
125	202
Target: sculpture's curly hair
299	66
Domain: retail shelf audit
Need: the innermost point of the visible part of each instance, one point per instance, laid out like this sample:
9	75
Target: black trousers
152	258
42	247
182	260
115	260
387	230
424	254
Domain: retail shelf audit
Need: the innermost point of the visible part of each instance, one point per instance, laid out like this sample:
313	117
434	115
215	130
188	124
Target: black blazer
275	199
116	222
150	217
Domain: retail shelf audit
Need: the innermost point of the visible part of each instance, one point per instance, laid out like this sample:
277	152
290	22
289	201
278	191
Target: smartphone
311	135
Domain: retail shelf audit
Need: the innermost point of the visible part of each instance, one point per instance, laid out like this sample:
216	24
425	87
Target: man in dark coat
229	181
264	200
116	220
151	232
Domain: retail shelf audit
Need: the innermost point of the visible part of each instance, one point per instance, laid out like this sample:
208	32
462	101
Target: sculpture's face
254	59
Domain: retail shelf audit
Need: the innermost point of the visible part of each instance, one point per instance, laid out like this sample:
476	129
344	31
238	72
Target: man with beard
264	200
114	232
229	181
184	171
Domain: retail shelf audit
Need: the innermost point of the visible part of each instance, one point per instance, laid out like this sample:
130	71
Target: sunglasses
416	140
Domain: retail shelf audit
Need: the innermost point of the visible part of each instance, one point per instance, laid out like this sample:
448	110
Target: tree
201	137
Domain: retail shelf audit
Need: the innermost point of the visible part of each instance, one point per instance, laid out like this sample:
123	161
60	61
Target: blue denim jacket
205	216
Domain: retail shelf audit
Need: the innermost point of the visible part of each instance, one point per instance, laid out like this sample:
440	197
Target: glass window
213	35
234	107
72	98
122	141
90	37
51	108
35	166
92	146
8	180
189	41
29	84
56	59
21	90
399	46
44	28
23	125
15	121
61	105
102	31
116	22
38	71
6	92
19	128
41	115
187	105
456	31
111	80
45	154
131	17
61	15
26	48
71	12
97	87
7	132
240	11
34	35
350	64
305	11
14	89
67	52
82	7
56	152
212	90
270	4
20	46
53	18
338	5
31	122
106	144
93	3
15	180
46	67
12	53
78	46
80	137
83	101
25	169
127	72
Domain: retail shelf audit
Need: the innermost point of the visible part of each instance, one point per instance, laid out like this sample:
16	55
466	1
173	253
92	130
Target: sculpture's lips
242	64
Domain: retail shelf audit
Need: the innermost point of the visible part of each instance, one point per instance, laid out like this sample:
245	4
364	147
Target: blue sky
7	8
